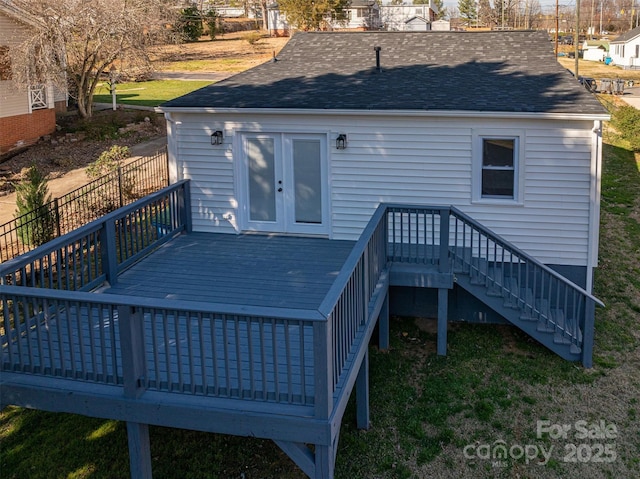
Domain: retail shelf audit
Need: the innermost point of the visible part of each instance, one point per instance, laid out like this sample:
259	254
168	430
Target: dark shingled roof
511	71
630	35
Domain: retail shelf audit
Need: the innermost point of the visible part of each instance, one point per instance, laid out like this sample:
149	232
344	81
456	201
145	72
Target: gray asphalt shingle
458	71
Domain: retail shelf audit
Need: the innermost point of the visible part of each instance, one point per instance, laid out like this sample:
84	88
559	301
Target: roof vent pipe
377	49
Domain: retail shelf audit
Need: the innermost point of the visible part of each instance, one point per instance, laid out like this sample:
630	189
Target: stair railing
558	305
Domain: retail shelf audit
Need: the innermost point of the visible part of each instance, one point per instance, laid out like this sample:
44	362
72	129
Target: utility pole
557	25
577	41
600	31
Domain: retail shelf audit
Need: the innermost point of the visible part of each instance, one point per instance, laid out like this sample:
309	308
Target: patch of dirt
230	46
73	145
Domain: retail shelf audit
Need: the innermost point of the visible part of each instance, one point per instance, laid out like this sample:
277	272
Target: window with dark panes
498	168
5	63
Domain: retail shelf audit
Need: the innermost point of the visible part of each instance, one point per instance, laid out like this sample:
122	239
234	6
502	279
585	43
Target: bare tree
76	42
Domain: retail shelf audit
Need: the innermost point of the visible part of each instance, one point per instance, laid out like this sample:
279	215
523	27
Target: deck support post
383	325
325	462
443	304
587	334
139	450
362	394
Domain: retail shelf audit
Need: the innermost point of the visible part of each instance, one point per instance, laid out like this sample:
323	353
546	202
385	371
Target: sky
547	5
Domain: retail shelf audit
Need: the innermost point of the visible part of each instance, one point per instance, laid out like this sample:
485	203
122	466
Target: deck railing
82	205
228	351
154	344
96	252
347	305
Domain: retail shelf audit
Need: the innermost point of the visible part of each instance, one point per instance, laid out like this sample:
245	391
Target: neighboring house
408	17
361	15
594	50
625	50
27	112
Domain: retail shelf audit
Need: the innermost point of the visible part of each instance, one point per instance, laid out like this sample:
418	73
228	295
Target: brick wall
21	130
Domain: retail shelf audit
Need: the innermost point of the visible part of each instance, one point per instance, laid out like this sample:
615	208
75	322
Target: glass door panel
307	181
261	159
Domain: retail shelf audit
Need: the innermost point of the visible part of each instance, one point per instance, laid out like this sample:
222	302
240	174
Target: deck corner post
185	207
443	260
587	341
325	462
362	394
323	367
443	304
108	249
139	450
133	351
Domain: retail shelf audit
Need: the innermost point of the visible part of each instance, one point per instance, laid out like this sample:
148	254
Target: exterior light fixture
216	137
341	142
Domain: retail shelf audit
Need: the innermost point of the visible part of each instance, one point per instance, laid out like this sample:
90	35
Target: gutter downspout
594	203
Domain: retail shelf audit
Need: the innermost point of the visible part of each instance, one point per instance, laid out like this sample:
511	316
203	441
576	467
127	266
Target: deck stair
528	294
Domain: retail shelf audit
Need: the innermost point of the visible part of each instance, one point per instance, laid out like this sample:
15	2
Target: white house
400	18
27	112
625	50
313	142
361	15
594	50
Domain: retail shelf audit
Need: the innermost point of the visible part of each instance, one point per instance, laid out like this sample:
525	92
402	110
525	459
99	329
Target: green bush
189	25
211	19
35	220
626	119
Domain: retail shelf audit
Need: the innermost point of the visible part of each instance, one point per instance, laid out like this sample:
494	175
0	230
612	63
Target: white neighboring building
625	50
400	18
362	15
594	51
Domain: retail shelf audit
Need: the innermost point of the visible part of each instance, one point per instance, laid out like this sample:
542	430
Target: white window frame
518	136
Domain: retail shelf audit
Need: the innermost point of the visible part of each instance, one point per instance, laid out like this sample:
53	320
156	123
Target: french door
284	183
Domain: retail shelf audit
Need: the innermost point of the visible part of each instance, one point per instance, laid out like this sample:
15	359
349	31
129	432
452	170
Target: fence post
165	150
120	187
56	209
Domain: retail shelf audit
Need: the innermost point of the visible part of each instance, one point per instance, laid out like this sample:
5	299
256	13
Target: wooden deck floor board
256	270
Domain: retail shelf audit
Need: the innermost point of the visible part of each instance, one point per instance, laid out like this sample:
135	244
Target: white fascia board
405	113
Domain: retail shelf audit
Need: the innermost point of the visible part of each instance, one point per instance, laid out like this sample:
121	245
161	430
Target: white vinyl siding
13	101
425	161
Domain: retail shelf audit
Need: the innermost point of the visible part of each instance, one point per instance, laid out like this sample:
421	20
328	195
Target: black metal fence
87	203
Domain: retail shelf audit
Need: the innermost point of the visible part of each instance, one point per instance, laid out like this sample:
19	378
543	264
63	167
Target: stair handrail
504	243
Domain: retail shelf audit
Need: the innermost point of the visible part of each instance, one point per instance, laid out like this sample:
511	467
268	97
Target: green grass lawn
493	387
148	93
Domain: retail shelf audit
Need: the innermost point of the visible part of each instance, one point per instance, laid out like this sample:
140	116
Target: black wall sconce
341	142
216	137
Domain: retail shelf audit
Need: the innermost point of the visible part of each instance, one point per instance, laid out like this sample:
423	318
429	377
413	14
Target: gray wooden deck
249	269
